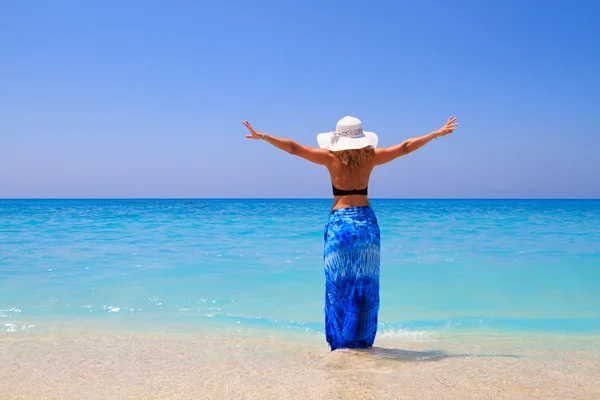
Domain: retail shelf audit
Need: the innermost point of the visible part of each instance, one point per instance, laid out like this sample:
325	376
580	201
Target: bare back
346	178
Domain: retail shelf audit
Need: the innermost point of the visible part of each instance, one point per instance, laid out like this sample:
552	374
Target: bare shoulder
384	155
316	155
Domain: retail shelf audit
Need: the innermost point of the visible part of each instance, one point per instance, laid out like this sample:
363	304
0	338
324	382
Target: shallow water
447	265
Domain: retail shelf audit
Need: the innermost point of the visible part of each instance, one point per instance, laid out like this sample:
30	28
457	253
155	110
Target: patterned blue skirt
351	277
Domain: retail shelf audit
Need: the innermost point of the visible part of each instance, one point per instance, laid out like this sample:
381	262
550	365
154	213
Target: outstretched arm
317	156
387	154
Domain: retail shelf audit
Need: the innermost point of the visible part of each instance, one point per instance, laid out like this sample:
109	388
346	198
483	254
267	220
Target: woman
351	251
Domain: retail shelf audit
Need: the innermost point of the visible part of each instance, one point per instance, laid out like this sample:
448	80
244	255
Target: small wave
15	327
404	334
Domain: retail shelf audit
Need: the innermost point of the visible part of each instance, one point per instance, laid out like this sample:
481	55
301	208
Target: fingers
247	125
450	125
251	129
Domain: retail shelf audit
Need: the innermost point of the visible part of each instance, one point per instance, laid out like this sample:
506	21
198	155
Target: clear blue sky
146	98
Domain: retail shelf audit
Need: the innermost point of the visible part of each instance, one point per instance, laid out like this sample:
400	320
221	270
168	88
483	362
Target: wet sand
93	365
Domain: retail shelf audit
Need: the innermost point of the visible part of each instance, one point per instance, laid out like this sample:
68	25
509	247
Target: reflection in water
381	354
407	355
371	373
377	359
364	373
382	357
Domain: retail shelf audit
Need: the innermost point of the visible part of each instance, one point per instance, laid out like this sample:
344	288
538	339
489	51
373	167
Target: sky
146	98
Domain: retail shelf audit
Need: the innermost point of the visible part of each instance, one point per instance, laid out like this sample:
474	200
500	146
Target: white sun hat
348	135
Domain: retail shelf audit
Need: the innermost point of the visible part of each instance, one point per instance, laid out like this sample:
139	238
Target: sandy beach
97	365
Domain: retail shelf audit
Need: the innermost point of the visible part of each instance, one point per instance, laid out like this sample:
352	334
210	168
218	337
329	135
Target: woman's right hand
448	128
254	134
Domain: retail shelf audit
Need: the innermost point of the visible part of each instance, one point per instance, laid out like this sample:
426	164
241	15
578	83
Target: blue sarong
351	255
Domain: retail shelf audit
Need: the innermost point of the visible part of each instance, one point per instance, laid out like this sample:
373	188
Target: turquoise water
446	266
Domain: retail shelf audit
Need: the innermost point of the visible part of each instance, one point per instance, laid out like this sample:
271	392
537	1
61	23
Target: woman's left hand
254	134
448	128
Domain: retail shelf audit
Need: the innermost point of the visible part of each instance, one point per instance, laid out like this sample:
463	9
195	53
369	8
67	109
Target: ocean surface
164	265
225	299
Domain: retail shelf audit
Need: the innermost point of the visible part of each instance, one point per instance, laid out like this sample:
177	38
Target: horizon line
295	198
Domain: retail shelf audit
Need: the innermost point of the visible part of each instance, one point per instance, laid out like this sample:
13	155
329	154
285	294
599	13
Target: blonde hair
354	158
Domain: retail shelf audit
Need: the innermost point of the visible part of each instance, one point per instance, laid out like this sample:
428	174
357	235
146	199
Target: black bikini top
339	192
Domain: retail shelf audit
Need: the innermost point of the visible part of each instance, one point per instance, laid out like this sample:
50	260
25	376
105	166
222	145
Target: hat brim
347	143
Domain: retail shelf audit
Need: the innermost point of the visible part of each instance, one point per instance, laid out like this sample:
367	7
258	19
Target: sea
235	288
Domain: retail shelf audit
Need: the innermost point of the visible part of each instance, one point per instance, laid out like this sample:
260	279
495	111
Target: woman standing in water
351	251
